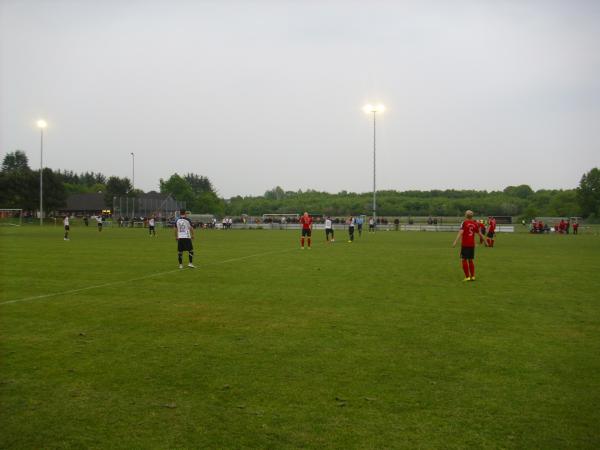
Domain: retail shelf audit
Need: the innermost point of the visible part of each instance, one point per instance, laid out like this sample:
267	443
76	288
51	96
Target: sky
255	94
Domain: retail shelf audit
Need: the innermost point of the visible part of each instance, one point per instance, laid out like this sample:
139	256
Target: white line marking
152	275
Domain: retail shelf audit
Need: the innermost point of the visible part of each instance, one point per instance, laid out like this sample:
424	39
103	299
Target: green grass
376	344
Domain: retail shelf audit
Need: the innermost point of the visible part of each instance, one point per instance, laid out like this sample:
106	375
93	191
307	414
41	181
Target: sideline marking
152	275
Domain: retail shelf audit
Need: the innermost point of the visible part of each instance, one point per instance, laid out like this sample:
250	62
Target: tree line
19	188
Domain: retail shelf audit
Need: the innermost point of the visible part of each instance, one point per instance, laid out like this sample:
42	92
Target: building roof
85	202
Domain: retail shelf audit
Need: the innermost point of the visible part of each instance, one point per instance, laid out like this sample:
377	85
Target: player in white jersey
99	221
184	233
329	229
351	222
66	225
151	228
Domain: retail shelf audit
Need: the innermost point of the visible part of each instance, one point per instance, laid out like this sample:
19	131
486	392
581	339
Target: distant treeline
19	188
512	201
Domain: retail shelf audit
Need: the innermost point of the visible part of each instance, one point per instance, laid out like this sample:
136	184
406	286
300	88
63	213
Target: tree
116	187
199	183
15	162
179	188
588	193
521	191
55	194
277	193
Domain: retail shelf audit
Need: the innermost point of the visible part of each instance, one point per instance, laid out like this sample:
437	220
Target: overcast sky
254	94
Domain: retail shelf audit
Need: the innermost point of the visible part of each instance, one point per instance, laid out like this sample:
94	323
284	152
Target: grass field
376	344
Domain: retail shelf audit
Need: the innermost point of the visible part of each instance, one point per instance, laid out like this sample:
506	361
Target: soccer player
371	224
151	226
307	223
351	223
491	234
575	227
184	233
99	220
329	230
467	232
482	229
66	225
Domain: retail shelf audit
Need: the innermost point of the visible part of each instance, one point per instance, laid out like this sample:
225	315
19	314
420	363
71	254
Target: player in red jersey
306	222
491	234
482	229
467	232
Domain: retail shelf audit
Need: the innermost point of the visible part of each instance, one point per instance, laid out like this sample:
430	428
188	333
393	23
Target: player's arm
175	229
192	231
460	233
482	238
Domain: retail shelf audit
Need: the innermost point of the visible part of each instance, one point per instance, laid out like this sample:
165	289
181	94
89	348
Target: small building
89	204
144	205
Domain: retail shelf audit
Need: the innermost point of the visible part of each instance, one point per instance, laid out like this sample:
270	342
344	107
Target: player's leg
472	269
180	253
309	238
467	254
465	268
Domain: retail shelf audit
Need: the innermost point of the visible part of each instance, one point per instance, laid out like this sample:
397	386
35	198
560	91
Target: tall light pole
41	125
374	109
133	182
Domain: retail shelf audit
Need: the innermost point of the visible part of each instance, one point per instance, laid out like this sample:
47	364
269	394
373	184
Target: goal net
11	217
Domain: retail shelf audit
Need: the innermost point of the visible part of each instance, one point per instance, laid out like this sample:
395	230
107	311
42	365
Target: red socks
302	241
468	267
465	267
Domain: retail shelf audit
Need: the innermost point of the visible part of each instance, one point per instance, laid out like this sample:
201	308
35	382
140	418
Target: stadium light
41	123
133	182
374	109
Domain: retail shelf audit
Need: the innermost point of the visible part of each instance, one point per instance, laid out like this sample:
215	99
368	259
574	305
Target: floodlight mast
374	109
41	125
133	182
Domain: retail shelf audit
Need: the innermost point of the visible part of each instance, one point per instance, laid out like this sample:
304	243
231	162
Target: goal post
11	217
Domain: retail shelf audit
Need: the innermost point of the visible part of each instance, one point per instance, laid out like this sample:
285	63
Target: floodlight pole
133	182
41	176
374	170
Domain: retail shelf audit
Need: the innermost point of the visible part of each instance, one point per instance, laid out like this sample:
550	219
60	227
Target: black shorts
328	231
306	232
66	227
491	234
467	252
184	245
151	227
99	225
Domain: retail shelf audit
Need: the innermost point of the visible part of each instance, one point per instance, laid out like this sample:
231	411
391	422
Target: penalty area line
144	277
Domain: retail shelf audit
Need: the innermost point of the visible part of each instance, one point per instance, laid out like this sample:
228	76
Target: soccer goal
11	217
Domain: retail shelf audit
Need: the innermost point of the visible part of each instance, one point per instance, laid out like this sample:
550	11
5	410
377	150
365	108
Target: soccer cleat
472	278
302	248
467	279
181	266
191	266
310	248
